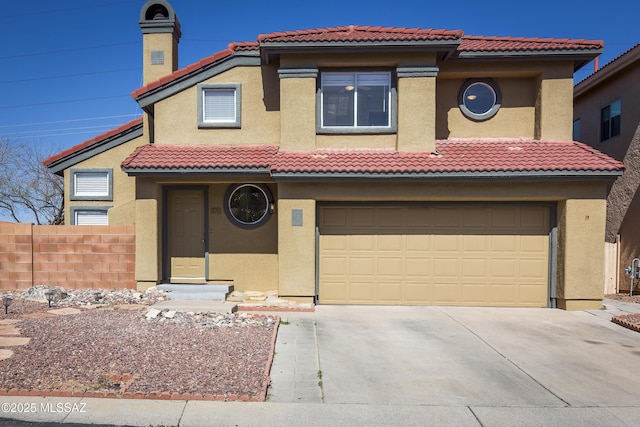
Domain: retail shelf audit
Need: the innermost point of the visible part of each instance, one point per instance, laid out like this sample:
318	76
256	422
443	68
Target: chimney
160	37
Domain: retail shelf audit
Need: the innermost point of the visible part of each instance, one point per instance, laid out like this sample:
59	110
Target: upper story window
479	99
576	130
219	105
356	102
91	184
610	120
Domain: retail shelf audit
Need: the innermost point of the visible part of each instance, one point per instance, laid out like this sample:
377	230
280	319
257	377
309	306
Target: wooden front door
187	237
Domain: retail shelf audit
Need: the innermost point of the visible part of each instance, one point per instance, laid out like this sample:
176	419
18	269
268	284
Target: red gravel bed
119	353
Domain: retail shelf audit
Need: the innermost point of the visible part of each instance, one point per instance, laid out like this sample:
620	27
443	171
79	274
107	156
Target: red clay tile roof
358	33
172	157
518	44
453	156
355	33
95	140
467	156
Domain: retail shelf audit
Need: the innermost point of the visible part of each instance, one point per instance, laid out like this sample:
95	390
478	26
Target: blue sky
67	67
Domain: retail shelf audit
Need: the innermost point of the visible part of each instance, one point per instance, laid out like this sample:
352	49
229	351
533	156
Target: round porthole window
247	205
479	99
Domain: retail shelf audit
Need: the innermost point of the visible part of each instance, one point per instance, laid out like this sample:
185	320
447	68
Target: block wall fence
73	257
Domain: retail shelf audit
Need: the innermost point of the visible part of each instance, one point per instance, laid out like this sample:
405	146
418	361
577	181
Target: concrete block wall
74	257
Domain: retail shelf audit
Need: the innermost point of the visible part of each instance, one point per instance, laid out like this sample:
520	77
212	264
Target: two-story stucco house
356	165
607	117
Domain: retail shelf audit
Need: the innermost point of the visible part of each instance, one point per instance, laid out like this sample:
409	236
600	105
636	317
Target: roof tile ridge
534	39
597	153
131	157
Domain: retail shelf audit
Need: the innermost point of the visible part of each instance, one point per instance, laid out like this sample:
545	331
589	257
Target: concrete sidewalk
379	366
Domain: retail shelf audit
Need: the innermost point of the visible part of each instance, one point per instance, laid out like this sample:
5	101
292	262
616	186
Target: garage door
474	255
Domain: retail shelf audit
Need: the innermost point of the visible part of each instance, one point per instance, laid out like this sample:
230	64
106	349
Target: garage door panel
418	292
362	292
503	294
476	243
475	268
390	243
505	243
334	242
446	243
390	266
334	266
390	292
445	268
362	266
418	243
447	255
533	269
474	293
504	268
418	267
446	293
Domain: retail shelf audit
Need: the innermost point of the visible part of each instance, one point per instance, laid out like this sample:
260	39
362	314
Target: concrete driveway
501	366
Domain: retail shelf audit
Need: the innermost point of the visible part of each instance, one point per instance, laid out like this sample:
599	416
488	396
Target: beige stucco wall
248	257
581	253
416	114
298	113
515	119
123	185
176	118
296	247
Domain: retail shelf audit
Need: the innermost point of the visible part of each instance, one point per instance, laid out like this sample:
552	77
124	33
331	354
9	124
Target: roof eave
195	171
608	70
58	166
579	57
528	176
270	50
240	58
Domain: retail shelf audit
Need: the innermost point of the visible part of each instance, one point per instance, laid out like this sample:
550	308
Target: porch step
203	292
197	306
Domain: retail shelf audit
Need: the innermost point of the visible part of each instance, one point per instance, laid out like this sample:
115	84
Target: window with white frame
89	216
610	120
356	100
219	105
91	184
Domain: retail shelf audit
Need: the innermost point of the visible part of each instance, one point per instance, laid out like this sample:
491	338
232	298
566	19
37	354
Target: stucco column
298	108
297	248
581	225
554	105
147	241
416	108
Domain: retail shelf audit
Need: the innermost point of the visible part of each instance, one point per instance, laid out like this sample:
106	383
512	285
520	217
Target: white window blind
219	105
90	217
91	184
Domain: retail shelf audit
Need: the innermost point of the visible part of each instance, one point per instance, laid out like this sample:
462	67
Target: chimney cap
158	16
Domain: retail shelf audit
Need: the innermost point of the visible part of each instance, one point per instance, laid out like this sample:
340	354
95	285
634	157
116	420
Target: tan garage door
475	255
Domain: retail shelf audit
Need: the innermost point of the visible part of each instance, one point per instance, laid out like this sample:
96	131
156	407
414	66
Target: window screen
91	184
219	105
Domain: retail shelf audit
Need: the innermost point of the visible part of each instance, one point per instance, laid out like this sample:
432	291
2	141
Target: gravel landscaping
118	351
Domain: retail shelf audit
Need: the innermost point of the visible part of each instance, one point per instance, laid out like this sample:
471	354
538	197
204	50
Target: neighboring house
356	165
607	117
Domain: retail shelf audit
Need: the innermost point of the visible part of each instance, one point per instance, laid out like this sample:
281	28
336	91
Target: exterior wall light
272	207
